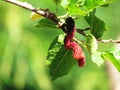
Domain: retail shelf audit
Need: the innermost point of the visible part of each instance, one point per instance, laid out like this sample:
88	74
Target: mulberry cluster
77	52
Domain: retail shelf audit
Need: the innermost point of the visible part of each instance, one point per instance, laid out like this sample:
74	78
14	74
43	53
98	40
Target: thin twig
86	29
109	41
45	13
81	32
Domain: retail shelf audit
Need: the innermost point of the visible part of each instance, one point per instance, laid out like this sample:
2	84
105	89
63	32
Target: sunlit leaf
35	16
97	58
73	9
115	52
92	46
92	4
91	43
83	7
112	59
61	38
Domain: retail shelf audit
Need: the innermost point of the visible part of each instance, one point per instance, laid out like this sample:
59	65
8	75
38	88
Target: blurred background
23	51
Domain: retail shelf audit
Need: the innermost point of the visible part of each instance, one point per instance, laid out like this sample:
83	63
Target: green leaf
60	58
55	46
62	63
83	7
73	9
112	59
92	4
115	52
97	26
92	46
91	43
61	38
97	58
46	23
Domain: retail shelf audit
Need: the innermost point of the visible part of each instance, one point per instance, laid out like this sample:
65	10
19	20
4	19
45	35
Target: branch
80	31
45	13
109	41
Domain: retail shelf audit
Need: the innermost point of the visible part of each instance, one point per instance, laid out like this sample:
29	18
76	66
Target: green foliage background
23	51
